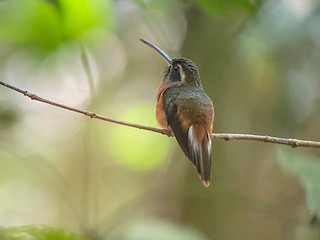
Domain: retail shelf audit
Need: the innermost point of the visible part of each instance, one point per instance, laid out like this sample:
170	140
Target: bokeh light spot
138	148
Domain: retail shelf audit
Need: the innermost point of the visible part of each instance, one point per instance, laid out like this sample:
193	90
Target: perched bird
185	108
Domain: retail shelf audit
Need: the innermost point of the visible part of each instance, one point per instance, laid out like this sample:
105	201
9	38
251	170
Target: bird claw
168	132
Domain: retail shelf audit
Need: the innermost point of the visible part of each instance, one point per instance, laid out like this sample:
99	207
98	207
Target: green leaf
36	233
46	24
79	16
30	22
307	169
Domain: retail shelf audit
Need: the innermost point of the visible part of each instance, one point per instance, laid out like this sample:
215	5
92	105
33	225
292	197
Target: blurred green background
259	62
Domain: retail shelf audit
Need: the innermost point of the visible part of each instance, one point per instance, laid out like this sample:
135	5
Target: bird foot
168	132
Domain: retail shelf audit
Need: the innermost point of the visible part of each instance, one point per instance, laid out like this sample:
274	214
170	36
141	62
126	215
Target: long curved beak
162	53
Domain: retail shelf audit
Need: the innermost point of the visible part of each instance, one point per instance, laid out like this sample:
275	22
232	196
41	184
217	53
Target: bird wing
194	138
175	124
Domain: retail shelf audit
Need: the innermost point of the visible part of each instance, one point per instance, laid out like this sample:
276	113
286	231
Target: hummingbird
182	107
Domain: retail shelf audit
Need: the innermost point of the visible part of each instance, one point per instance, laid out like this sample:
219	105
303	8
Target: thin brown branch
218	136
267	139
87	113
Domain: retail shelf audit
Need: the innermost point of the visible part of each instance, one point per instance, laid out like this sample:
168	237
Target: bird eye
175	74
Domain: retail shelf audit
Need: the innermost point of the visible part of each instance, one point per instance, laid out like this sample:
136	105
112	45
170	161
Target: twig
218	136
87	113
267	139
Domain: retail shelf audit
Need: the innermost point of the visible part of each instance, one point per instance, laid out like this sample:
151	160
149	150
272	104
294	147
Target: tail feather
200	153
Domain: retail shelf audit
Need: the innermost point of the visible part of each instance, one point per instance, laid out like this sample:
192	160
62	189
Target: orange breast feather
160	113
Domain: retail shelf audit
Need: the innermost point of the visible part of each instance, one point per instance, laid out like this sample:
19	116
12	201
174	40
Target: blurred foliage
141	153
151	229
37	233
307	169
223	7
48	24
259	62
8	117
